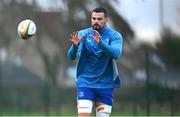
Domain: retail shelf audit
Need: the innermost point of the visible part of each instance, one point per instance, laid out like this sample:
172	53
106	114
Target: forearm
72	52
113	50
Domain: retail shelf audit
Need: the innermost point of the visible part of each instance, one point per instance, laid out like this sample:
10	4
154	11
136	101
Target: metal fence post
1	91
147	93
46	98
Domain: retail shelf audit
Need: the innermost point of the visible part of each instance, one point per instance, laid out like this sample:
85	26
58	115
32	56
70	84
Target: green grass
73	113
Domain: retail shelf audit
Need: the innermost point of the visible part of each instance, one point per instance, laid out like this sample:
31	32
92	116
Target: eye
93	18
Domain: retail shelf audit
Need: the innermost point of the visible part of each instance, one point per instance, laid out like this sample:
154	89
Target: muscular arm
72	52
115	48
76	40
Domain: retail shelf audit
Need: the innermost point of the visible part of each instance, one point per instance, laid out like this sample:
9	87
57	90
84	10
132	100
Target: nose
95	20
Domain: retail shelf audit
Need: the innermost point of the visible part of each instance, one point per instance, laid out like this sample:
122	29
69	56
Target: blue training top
97	67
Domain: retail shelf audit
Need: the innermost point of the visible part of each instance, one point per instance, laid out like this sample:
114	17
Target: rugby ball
26	29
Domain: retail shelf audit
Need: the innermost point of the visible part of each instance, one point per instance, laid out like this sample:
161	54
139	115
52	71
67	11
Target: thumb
82	37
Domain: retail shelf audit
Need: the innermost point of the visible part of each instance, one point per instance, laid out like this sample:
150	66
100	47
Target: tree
169	48
54	28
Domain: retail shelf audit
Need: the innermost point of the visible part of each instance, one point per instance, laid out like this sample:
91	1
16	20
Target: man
97	47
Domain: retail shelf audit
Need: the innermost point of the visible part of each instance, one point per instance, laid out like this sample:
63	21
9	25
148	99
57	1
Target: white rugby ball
26	29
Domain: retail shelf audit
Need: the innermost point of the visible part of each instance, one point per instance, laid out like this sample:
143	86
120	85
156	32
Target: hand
97	37
74	38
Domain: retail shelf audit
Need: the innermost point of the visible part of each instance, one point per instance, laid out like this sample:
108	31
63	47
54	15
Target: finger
92	36
96	32
71	40
73	33
82	37
76	33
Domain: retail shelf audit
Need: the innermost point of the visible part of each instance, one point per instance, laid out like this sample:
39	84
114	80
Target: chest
91	44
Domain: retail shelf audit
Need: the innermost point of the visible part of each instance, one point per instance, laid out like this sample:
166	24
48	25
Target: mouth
96	27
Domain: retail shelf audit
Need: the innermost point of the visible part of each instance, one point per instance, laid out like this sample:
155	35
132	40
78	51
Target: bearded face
97	27
98	20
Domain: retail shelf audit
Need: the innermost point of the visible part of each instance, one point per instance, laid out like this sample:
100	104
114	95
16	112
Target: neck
102	29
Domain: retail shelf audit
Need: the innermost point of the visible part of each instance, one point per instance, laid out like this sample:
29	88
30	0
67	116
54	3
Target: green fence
42	101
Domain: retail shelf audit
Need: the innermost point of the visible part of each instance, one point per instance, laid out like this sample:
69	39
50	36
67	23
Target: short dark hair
100	9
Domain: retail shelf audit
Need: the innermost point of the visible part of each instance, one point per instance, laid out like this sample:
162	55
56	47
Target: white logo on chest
107	40
88	40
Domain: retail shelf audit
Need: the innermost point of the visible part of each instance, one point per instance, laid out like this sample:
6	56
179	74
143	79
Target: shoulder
84	31
114	34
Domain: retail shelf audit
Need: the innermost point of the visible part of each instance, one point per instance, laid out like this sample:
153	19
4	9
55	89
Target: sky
144	16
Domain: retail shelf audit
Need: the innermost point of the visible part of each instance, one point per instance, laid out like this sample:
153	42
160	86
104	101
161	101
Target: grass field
72	113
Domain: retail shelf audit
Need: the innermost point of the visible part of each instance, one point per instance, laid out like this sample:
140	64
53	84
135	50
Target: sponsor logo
88	40
81	94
